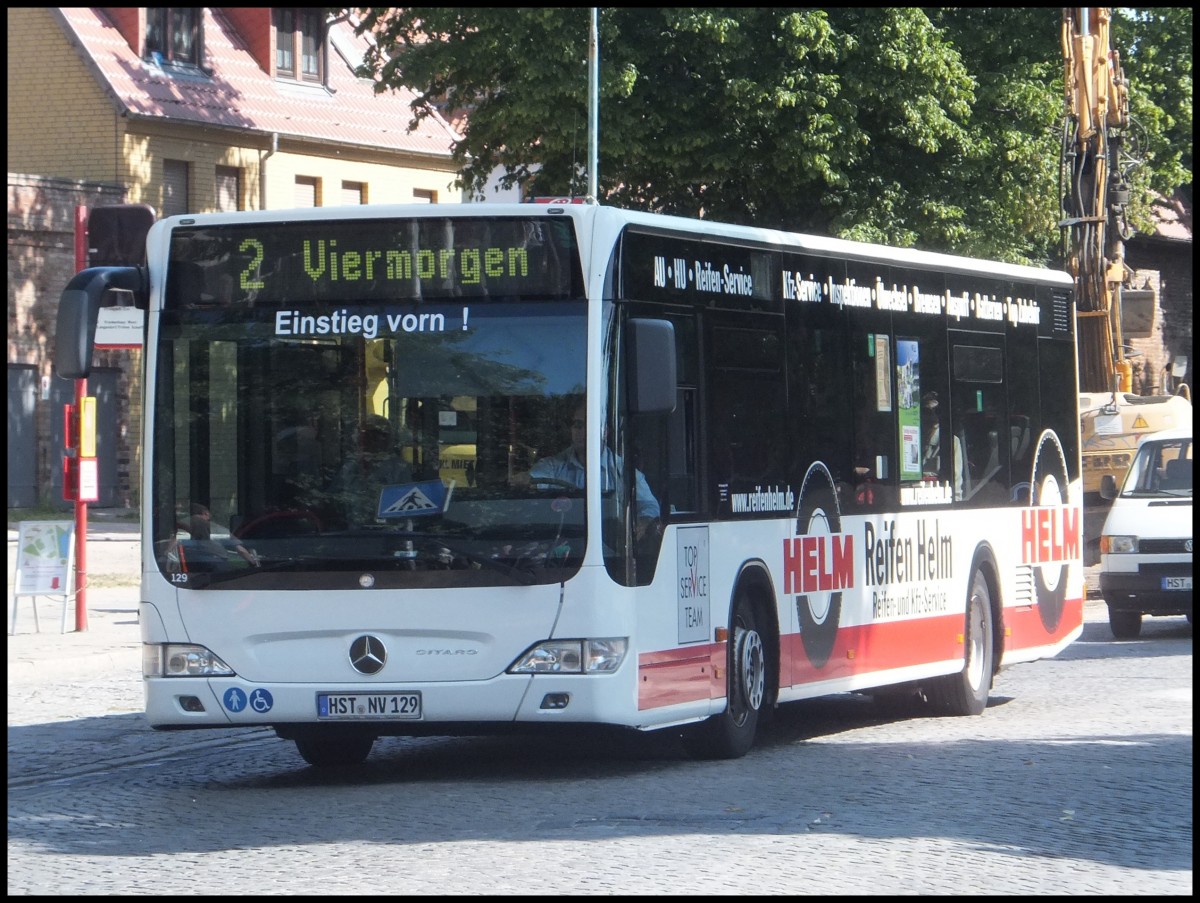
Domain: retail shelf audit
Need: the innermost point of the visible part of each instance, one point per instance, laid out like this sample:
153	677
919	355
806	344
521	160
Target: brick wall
1166	266
41	261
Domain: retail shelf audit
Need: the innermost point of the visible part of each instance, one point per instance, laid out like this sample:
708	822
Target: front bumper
1144	593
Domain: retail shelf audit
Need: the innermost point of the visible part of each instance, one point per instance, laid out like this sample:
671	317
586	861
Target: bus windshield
312	434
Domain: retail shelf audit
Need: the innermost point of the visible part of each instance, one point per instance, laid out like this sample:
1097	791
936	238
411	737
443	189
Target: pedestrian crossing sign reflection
412	499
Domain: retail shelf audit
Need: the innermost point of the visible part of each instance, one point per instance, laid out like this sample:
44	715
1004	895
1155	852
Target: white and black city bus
464	468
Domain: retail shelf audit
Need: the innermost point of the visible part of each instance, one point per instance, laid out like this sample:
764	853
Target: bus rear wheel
966	693
334	751
731	734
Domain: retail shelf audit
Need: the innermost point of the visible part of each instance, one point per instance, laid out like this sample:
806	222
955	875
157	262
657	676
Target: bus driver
568	466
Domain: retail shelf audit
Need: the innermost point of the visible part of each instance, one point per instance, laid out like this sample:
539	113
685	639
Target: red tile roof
1172	217
239	94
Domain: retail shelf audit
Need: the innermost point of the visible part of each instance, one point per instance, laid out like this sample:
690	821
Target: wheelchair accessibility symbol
258	700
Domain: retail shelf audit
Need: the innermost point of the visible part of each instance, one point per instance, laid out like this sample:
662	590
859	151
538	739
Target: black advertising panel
697	273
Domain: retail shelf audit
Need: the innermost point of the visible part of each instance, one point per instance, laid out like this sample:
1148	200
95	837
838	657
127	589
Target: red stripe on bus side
880	646
1025	628
673	676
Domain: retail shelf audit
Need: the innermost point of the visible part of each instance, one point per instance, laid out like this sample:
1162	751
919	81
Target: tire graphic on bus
818	613
1049	489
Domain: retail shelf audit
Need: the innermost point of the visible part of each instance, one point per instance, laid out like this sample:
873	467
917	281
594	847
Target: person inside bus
568	466
224	290
375	465
194	297
200	526
931	456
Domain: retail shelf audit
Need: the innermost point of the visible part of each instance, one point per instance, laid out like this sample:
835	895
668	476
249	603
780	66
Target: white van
1146	544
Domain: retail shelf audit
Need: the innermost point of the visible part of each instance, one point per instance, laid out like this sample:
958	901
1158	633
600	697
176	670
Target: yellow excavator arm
1095	195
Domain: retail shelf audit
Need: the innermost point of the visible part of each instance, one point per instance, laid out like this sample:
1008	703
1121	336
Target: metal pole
81	619
593	106
81	622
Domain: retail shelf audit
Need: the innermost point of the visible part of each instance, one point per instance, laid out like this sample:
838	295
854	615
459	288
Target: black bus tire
966	693
334	751
730	735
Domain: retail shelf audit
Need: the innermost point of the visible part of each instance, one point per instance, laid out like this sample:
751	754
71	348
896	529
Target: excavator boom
1095	194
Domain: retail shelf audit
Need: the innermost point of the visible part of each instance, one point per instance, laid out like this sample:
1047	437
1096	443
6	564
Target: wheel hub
752	671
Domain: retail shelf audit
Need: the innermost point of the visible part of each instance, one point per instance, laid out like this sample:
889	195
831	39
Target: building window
175	187
424	196
354	192
173	35
308	191
229	188
299	42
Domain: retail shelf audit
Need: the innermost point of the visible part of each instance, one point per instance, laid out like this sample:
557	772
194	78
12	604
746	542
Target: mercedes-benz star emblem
368	654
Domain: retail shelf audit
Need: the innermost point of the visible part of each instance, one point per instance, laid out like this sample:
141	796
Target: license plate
1176	582
384	706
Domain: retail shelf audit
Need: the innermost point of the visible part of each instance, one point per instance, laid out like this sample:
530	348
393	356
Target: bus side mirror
75	334
79	311
651	360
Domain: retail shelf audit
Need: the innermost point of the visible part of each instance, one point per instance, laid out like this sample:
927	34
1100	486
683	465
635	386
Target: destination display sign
373	260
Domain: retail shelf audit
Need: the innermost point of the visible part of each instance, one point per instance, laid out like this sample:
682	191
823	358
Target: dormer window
173	36
299	39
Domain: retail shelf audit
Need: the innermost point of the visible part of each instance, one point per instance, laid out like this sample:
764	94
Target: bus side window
682	482
683	429
874	427
819	397
981	426
747	397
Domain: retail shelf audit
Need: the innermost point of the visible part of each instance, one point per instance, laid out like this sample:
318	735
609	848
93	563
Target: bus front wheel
334	751
730	735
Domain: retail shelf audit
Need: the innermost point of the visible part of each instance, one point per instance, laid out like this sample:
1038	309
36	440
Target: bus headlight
177	660
1118	544
591	656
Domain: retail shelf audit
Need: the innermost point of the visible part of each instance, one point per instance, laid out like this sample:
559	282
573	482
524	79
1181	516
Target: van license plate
1176	582
357	706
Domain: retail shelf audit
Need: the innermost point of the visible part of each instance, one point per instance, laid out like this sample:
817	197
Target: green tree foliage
1156	54
937	128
